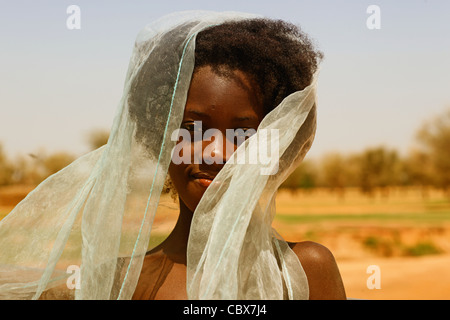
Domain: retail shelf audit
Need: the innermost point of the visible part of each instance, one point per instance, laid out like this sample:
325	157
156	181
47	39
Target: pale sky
376	87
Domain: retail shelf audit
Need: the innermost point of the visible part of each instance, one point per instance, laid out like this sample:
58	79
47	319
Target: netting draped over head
97	214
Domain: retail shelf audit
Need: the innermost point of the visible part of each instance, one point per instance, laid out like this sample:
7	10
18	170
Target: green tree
334	172
434	141
37	167
304	177
419	170
6	169
379	168
56	161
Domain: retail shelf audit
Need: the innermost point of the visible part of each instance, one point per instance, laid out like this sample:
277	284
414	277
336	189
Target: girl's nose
217	149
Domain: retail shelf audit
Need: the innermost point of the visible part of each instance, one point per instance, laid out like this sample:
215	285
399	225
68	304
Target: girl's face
219	103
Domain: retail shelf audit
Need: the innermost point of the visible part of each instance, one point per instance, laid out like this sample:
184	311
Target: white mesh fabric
232	249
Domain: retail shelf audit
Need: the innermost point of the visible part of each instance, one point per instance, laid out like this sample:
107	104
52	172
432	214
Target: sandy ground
399	277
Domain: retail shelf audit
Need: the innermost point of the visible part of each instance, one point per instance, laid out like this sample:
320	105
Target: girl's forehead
212	95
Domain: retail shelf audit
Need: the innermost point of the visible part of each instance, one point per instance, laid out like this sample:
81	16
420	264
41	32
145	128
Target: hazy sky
376	87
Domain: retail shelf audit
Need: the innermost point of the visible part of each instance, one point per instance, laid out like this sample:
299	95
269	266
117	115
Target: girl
242	71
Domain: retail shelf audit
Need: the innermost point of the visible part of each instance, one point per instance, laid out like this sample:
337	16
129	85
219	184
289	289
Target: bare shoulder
323	275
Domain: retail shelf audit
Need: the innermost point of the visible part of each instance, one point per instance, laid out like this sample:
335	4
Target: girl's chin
194	191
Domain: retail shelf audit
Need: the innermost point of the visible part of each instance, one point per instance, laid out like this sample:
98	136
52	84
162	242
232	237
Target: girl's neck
175	246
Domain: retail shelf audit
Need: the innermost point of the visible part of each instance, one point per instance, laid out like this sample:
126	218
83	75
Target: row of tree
372	169
380	168
33	168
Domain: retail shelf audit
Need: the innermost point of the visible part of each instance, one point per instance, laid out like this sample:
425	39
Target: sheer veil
97	214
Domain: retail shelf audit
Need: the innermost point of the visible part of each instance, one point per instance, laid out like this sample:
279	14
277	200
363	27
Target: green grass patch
422	249
380	217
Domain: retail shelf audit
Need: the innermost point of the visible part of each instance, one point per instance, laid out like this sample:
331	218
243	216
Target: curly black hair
279	57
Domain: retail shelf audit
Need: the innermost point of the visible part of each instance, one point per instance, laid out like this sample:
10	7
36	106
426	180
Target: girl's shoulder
321	269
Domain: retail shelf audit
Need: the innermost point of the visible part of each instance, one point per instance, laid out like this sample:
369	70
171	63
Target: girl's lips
204	182
203	179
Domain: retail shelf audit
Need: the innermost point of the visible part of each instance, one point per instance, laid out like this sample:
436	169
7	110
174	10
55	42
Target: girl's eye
195	130
192	127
